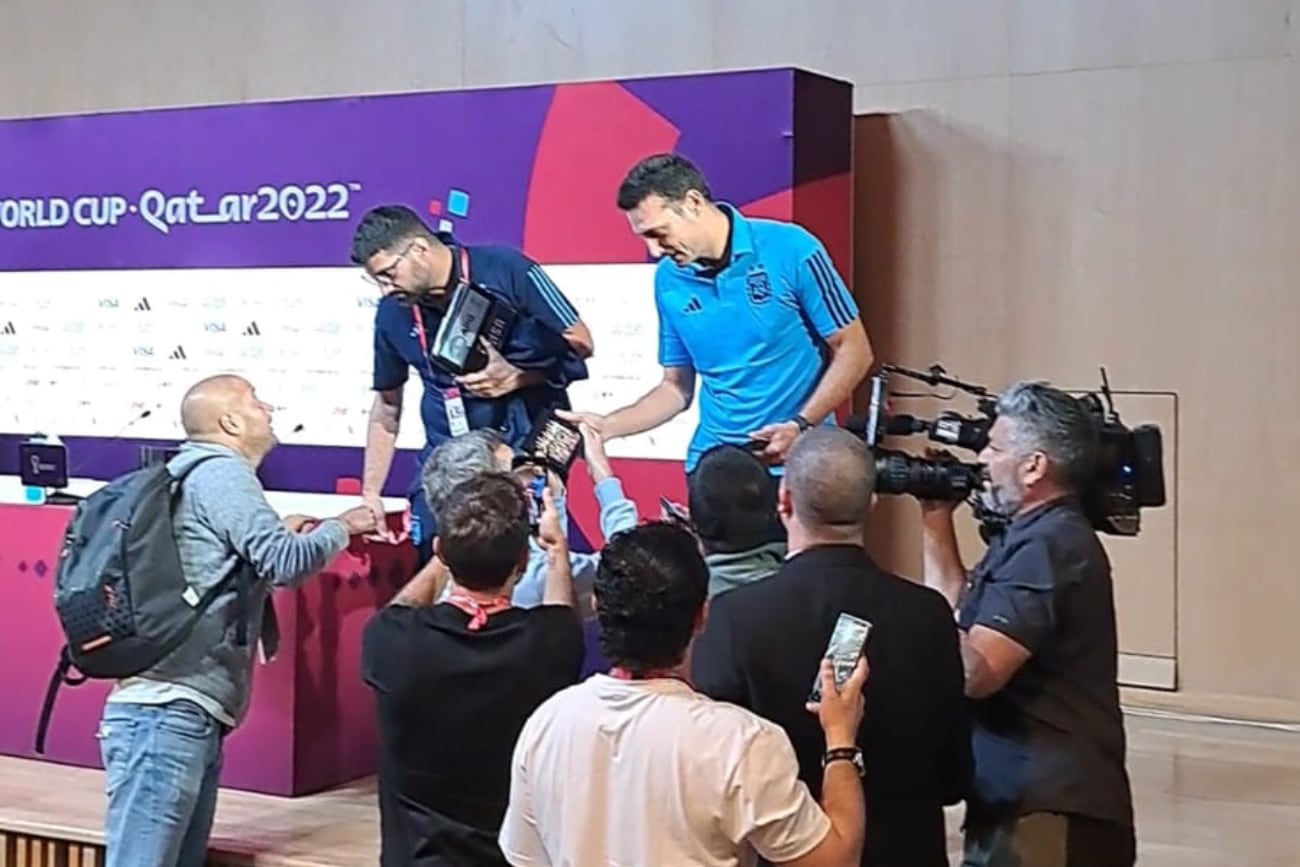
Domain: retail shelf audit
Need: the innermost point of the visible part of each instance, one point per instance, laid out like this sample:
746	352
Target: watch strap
803	423
849	754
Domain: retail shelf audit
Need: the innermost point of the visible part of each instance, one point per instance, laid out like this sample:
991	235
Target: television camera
1129	473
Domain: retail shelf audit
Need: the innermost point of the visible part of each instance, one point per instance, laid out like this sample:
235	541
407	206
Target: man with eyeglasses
418	271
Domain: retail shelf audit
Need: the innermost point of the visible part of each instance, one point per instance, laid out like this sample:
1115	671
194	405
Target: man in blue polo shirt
752	307
418	271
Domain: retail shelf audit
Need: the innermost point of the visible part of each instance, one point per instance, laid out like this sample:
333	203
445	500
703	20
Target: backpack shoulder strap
239	577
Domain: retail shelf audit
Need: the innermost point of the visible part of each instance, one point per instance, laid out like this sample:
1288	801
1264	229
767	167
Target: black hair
731	500
383	228
650	587
483	530
669	175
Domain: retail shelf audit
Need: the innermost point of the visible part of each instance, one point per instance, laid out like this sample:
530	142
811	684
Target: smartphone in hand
672	511
848	640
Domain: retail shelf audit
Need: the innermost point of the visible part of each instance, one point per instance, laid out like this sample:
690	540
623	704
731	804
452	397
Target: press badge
457	423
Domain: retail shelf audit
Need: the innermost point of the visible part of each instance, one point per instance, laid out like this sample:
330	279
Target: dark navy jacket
536	342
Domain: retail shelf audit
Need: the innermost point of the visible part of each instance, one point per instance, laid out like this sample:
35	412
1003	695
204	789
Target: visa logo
214	327
142	351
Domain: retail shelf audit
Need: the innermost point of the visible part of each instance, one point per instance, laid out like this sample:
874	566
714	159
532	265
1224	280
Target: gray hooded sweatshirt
224	522
731	569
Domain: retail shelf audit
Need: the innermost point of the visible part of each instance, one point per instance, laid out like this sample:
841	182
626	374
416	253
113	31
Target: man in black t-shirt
454	682
1039	644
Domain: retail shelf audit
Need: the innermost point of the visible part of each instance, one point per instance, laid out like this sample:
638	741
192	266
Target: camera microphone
894	425
905	425
961	431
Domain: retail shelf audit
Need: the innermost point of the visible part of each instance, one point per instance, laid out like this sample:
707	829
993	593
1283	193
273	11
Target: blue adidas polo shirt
535	343
755	331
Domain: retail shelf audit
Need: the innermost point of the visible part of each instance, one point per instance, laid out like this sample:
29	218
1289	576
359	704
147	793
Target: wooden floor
1208	795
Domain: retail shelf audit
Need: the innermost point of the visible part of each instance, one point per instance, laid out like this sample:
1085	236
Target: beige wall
1056	184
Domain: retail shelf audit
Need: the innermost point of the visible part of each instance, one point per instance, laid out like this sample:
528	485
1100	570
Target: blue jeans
161	764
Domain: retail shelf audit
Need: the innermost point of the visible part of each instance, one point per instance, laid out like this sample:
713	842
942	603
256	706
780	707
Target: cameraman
1039	645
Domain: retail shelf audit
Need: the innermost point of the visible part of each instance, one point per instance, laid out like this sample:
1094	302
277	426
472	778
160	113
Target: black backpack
120	592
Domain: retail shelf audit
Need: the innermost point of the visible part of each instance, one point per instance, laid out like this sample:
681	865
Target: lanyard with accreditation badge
457	421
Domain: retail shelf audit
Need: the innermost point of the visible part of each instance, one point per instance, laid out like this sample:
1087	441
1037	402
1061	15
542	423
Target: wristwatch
803	423
851	754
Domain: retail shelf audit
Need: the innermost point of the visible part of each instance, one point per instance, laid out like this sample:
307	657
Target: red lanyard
620	673
418	316
478	611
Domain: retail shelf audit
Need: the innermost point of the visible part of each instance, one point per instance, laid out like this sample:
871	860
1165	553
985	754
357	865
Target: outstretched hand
594	421
593	452
382	532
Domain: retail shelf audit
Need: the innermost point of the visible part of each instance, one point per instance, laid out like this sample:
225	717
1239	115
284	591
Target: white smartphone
848	640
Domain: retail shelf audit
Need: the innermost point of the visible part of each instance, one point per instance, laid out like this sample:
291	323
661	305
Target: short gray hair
1048	420
831	475
457	460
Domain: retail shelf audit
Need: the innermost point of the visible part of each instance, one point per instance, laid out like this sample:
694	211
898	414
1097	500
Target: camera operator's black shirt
1052	739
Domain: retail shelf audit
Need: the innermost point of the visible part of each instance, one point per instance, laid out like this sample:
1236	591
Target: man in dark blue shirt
418	271
1040	648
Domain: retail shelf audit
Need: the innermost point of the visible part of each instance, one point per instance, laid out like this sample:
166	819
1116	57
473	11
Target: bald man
162	732
762	644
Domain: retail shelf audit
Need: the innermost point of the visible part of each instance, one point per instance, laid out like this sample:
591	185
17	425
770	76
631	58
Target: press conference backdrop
141	251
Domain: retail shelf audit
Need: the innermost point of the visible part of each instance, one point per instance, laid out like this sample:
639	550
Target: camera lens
899	473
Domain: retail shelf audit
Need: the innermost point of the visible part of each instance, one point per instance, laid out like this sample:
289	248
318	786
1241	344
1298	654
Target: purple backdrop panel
747	157
283	184
262	185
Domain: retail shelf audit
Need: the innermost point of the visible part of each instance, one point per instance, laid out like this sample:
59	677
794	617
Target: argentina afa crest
758	286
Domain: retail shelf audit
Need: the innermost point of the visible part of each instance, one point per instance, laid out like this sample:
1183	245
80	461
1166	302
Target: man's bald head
225	410
208	400
830	477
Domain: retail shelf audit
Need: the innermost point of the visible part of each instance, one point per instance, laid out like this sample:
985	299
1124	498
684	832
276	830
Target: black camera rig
1129	473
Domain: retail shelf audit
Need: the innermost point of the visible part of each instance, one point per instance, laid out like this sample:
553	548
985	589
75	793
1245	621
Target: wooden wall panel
1068	35
509	41
1150	218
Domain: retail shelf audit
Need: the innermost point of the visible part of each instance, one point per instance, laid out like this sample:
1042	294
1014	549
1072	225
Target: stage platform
1208	795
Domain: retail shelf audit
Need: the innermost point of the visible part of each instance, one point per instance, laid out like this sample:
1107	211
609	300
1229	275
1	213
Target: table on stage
311	724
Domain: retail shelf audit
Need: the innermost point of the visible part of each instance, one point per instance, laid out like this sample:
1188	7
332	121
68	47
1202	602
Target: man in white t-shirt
635	767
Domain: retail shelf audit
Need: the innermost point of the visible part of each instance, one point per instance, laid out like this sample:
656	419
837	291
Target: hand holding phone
674	512
846	645
553	442
839	708
550	535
